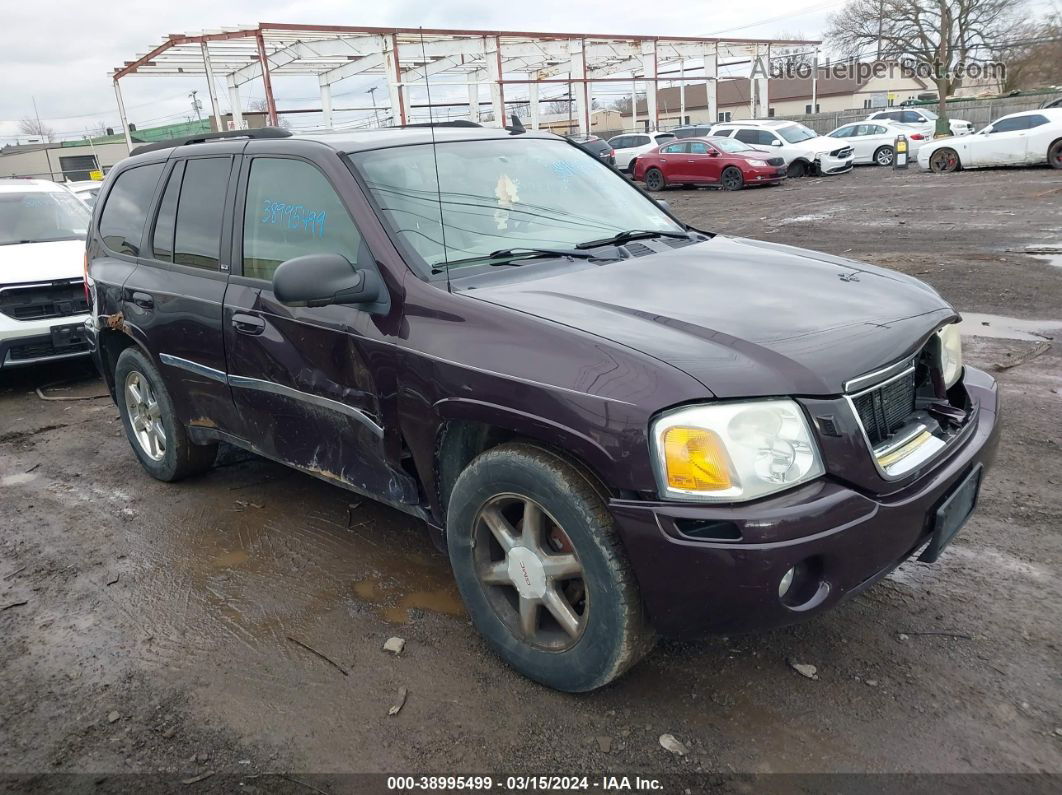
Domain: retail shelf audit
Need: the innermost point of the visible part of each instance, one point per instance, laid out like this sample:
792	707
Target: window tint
292	210
639	140
876	129
122	222
197	240
844	132
1010	125
760	137
698	148
1036	121
162	242
674	149
910	117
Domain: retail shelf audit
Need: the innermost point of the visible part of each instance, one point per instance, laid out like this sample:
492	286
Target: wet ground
163	629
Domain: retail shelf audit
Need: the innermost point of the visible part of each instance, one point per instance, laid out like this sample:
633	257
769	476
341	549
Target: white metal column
473	102
682	91
394	89
237	106
326	104
711	73
532	90
649	70
576	48
758	82
122	116
209	69
494	73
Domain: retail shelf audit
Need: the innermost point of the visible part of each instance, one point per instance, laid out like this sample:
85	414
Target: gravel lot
157	625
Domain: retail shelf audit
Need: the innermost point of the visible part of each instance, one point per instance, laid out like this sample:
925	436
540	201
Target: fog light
786	582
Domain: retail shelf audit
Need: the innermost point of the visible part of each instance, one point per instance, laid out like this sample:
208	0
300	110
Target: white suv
630	145
804	151
43	306
924	120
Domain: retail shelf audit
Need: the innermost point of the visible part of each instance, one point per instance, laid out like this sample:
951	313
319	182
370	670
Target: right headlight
950	354
732	452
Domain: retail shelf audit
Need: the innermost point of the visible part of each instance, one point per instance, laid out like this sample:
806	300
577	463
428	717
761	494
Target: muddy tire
884	156
541	569
731	179
797	169
654	180
944	161
1054	154
157	436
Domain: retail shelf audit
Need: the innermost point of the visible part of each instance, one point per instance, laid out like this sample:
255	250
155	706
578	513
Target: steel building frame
408	57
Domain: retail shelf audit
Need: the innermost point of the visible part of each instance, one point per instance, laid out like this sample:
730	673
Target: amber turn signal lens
695	459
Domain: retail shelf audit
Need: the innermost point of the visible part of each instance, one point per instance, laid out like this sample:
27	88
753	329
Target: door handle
143	300
248	324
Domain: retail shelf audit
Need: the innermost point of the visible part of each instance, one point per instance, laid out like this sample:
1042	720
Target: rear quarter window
122	221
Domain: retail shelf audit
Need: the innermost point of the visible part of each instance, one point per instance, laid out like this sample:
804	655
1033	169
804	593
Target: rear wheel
797	169
1054	154
158	438
884	156
944	161
731	179
541	570
654	179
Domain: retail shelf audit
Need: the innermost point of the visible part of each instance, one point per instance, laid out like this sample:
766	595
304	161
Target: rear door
673	162
306	379
174	297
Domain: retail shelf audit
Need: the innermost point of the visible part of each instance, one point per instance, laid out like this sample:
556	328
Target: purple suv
618	426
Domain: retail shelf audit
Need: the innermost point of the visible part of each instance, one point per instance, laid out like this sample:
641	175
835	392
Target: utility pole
197	106
372	93
40	128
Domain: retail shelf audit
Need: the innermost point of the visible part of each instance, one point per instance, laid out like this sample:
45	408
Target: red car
724	162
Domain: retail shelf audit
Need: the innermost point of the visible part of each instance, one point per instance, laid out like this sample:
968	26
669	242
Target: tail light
917	137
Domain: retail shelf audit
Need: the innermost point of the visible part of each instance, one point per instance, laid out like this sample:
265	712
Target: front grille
776	161
41	301
40	350
886	408
844	151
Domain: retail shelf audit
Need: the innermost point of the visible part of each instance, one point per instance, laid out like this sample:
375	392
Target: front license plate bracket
952	514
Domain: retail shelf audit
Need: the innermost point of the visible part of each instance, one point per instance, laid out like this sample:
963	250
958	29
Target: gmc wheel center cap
526	573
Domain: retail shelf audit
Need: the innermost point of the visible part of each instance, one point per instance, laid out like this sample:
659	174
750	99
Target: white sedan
628	146
923	118
874	142
1030	138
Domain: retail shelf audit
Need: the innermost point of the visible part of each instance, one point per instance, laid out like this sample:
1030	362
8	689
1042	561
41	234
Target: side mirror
776	142
323	279
713	153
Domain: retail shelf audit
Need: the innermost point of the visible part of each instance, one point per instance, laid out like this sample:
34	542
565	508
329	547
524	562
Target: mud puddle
1008	328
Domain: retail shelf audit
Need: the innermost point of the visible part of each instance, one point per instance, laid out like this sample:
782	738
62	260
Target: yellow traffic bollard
899	158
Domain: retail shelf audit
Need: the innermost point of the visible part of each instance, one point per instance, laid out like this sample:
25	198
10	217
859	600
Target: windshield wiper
507	255
629	235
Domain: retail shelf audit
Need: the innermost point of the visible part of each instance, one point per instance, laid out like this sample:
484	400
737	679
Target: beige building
59	161
604	121
785	97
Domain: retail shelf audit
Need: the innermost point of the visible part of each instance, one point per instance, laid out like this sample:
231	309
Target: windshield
731	145
40	216
502	194
795	133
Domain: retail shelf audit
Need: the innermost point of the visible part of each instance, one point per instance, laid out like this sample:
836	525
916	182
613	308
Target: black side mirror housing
323	279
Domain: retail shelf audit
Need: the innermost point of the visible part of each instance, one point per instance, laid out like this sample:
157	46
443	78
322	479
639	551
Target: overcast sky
60	52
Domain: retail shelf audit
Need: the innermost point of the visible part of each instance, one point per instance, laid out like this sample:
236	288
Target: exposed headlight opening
732	452
950	354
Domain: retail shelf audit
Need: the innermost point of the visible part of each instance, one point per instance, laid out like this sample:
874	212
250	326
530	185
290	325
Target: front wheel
157	436
884	156
654	179
797	169
944	161
1054	154
731	179
541	569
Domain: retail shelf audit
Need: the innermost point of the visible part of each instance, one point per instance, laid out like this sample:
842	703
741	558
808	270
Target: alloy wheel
145	416
530	572
654	180
1054	157
944	160
732	179
884	156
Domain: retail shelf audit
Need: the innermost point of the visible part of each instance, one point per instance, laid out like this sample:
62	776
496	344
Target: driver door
1006	143
304	379
705	162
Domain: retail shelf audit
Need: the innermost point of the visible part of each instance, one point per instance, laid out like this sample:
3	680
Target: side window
122	221
1010	125
698	148
748	136
162	241
844	132
641	140
1036	121
292	210
877	129
197	237
674	149
910	117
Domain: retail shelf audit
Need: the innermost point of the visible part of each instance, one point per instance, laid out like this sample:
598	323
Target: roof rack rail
455	123
258	132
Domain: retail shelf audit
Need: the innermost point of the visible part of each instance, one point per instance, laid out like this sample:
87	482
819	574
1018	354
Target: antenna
435	159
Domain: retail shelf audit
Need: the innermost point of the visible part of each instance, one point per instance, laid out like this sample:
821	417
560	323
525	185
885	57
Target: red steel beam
271	104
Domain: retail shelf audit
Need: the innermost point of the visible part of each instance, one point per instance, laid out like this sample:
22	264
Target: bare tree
261	106
36	128
559	106
785	59
1033	54
623	105
936	35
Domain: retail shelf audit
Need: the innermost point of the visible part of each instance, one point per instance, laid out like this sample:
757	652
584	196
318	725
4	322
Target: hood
744	318
42	262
